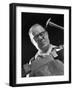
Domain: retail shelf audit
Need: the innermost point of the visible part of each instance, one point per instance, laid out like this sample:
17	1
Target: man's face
41	37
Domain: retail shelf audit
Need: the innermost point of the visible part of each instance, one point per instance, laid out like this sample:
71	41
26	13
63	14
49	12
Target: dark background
56	35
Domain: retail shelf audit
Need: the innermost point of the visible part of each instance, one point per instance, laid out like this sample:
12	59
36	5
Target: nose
40	37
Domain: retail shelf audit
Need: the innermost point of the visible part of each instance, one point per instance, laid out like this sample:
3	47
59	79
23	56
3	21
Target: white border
19	79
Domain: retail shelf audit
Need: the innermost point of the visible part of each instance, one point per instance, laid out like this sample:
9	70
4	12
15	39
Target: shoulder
58	47
31	60
59	50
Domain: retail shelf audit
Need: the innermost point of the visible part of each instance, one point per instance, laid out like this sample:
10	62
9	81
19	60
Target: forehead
37	29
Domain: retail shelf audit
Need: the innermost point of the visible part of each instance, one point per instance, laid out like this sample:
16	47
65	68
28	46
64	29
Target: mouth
43	42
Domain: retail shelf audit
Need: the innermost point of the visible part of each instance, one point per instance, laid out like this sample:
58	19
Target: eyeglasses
42	34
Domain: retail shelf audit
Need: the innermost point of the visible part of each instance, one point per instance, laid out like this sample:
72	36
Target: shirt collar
47	53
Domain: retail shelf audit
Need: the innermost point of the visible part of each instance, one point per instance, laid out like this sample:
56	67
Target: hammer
53	24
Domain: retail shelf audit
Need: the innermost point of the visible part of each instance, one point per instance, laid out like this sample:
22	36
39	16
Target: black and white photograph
40	44
46	33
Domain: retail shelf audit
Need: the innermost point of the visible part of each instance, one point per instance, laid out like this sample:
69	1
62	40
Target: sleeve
60	65
27	68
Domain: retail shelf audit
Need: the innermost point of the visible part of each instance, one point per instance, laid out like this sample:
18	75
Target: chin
44	46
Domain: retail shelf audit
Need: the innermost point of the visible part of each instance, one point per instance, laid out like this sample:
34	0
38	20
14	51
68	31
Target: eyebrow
39	33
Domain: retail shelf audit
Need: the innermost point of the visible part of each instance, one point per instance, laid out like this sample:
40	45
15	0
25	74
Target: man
45	62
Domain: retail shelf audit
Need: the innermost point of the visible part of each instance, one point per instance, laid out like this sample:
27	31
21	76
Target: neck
45	49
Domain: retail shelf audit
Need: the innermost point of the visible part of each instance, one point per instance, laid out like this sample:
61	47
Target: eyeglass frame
40	34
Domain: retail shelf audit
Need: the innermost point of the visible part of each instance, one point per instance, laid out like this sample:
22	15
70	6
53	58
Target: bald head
36	29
